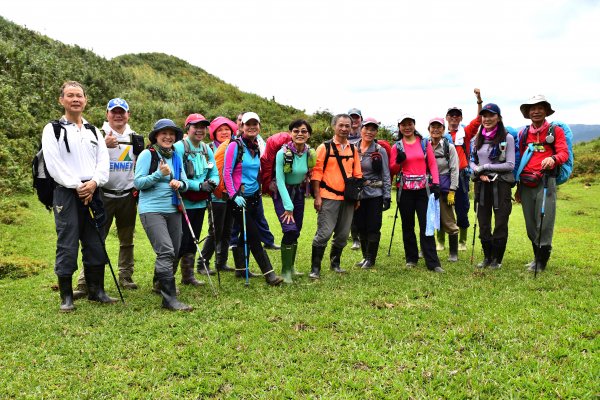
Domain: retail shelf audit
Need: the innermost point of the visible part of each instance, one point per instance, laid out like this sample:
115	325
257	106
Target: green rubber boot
287	262
441	240
294	272
462	239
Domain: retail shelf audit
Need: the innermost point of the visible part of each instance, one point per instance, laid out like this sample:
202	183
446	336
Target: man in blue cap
118	192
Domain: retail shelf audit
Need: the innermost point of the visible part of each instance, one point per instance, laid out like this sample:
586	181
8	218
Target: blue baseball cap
114	103
491	107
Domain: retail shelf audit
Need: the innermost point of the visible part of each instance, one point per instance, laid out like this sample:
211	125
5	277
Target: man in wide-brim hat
550	150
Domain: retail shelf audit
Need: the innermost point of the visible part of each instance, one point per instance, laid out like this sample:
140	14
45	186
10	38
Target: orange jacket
332	175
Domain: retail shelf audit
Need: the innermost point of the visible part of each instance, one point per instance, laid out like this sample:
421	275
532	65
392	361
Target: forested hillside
155	85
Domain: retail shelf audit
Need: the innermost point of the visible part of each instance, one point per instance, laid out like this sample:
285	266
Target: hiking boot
262	259
272	246
287	262
80	292
411	264
240	264
65	285
335	256
203	267
453	244
372	249
316	258
128	283
187	270
498	249
438	270
169	295
486	246
441	240
462	240
355	244
363	248
543	255
224	268
94	276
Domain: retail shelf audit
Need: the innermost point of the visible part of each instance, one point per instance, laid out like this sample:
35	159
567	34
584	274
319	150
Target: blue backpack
564	172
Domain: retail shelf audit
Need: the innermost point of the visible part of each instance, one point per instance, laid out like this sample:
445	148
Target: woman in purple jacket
493	161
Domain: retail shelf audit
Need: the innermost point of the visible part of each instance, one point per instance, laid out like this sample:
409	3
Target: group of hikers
107	174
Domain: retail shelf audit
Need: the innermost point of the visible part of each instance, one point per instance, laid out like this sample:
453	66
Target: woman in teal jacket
158	175
203	178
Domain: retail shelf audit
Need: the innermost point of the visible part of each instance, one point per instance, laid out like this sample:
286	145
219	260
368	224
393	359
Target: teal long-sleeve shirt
299	171
155	193
204	168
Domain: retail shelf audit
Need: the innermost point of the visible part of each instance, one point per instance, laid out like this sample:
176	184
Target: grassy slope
386	333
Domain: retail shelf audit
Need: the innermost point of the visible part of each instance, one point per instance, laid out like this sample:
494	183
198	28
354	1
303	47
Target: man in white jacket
77	160
118	192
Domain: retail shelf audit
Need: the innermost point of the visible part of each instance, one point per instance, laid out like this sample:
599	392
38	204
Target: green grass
385	333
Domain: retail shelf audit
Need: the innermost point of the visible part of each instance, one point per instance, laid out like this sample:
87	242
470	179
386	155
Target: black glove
386	204
208	186
376	162
435	189
400	156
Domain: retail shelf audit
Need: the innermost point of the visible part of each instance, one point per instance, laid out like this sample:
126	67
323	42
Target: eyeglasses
297	131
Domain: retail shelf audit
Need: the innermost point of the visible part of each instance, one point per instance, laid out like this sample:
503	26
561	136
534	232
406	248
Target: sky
383	57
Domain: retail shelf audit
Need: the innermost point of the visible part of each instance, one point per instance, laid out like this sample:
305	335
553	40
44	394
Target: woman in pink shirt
412	159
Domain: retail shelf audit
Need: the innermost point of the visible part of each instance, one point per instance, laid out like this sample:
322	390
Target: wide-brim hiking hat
250	115
406	116
163	124
117	103
537	99
354	111
193	119
491	107
216	123
439	120
370	121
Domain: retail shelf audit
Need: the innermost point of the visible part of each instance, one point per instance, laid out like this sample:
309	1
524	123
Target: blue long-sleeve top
296	177
243	173
205	168
155	193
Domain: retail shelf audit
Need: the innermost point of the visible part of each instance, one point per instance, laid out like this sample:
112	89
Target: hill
583	133
155	85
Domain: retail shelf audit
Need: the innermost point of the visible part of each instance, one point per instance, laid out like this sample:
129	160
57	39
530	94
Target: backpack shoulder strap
153	161
58	127
327	144
91	128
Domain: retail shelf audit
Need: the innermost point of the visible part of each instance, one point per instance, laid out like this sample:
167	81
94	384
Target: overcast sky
384	57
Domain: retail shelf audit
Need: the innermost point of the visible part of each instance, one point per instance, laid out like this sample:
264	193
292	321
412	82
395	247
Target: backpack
188	165
400	147
565	170
267	160
446	146
220	191
43	183
327	145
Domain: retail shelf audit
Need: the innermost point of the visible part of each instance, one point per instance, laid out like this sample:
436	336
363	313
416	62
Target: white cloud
384	57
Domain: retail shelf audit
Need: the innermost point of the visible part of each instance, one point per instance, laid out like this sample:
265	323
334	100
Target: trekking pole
93	217
393	227
545	179
211	219
246	255
476	206
196	242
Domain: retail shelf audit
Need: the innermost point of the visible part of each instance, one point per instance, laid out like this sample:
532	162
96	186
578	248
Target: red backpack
267	160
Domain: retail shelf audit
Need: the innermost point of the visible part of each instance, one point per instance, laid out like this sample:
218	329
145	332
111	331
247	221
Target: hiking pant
252	216
196	216
124	211
334	218
291	230
462	204
447	218
531	201
415	202
262	226
219	234
164	232
74	224
368	217
486	203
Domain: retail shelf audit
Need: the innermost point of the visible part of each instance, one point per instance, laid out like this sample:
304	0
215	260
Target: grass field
385	333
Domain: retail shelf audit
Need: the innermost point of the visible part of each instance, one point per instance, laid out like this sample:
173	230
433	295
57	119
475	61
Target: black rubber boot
316	258
498	249
187	270
262	259
169	295
486	246
65	285
335	257
543	255
364	244
531	265
240	263
94	276
372	249
453	245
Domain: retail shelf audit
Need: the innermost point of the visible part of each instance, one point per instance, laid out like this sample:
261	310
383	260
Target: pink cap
196	118
439	120
370	120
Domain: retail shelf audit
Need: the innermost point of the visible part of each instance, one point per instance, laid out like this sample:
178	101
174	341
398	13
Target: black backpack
43	183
